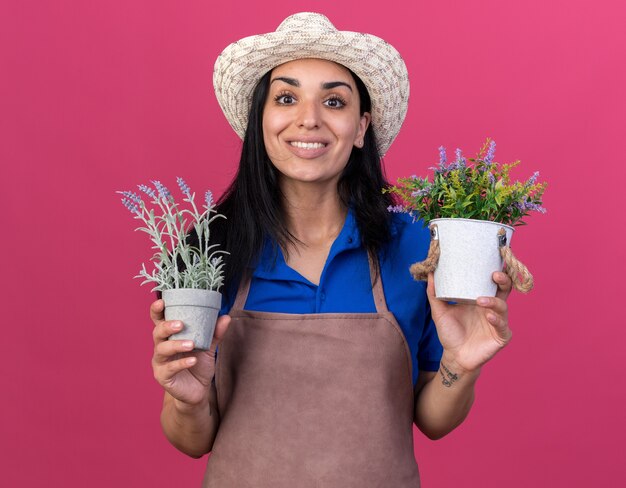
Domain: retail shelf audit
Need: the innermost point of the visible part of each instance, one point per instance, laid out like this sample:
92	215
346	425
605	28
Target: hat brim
242	64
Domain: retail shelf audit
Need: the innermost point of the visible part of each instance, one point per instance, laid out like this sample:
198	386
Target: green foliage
177	264
479	189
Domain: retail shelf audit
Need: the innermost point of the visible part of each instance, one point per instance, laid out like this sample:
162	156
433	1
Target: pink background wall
99	96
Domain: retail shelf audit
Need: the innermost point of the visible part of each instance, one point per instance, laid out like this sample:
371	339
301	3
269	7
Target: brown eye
335	102
284	99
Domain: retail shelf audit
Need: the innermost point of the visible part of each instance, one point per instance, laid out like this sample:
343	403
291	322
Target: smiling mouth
308	145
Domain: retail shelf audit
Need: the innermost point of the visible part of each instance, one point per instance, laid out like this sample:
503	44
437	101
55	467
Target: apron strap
242	291
377	287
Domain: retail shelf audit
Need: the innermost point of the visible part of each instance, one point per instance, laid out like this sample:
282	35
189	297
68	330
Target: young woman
328	350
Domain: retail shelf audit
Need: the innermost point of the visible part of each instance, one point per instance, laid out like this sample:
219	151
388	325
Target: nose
309	115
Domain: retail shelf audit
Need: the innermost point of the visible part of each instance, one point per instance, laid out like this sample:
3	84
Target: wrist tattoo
447	376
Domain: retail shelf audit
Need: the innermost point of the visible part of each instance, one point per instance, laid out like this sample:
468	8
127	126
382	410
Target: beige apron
313	400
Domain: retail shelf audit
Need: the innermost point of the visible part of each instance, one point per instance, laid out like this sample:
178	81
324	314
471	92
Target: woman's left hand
472	334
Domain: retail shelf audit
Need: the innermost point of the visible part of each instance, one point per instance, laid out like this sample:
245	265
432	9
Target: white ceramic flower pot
469	255
197	310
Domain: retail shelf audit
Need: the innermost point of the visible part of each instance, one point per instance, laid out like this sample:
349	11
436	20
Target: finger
437	306
166	328
164	351
504	284
221	327
156	311
430	286
498	305
166	371
500	325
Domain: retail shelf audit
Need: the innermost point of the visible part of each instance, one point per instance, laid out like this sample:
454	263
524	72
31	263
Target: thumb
437	306
221	327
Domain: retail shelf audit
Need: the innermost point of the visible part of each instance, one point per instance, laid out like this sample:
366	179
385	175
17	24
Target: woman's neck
315	214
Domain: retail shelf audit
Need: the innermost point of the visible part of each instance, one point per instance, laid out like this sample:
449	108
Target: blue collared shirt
345	285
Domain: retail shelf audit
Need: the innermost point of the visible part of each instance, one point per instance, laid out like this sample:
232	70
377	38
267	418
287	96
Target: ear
364	123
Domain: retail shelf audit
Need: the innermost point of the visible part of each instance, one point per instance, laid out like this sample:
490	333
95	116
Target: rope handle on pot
420	270
519	274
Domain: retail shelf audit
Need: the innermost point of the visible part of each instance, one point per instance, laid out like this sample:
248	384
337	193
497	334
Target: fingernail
191	360
187	344
483	301
177	326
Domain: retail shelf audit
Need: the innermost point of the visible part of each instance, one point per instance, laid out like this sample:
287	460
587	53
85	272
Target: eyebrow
329	85
333	84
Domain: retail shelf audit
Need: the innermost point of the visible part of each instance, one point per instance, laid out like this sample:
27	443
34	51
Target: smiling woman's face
311	120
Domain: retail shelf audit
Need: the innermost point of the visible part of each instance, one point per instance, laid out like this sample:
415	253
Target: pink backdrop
99	96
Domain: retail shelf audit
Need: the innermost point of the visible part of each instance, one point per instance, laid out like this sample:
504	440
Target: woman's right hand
184	373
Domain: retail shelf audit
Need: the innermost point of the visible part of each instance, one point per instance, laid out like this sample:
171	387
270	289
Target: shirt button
323	296
349	240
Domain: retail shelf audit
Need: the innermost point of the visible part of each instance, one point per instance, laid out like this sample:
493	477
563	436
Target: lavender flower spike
131	195
534	206
395	208
184	188
148	191
420	193
461	162
208	198
533	179
131	206
490	152
442	157
164	193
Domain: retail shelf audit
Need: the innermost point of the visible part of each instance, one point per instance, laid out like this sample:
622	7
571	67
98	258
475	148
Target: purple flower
147	190
208	198
490	152
533	179
442	161
526	206
395	208
130	205
461	162
164	193
131	196
535	206
421	192
492	178
442	157
183	187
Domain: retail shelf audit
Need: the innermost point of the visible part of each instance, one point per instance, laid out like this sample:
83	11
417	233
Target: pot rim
176	296
195	290
471	220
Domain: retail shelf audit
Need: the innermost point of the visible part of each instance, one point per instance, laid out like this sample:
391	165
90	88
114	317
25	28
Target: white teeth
307	145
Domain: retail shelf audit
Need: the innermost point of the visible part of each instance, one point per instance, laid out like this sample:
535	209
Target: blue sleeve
407	298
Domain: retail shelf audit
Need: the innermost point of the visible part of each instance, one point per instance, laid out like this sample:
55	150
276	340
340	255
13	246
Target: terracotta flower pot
469	255
197	310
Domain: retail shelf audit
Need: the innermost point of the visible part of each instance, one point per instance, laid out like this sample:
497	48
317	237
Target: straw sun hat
310	35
